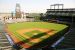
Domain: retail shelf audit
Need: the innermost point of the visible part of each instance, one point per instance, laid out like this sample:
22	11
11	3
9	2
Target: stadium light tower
57	5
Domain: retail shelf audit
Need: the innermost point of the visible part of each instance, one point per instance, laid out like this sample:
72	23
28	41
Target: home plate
35	33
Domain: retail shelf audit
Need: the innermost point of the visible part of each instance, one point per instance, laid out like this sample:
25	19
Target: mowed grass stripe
23	39
19	36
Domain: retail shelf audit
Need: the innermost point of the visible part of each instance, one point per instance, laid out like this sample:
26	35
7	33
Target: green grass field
27	25
16	26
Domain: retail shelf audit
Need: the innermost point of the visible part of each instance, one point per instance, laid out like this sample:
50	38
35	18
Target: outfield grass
16	26
25	25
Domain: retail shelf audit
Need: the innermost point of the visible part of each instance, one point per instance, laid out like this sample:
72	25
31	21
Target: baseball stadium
53	30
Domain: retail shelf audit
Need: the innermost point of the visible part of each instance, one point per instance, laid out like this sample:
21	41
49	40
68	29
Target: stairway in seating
4	43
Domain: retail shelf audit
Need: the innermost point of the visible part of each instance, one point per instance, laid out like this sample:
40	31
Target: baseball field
27	34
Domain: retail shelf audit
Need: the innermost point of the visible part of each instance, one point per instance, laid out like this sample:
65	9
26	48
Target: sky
33	6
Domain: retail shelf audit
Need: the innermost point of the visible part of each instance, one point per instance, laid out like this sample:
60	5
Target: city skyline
33	6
